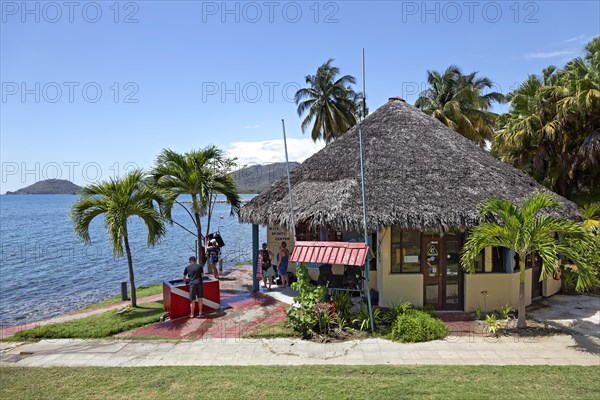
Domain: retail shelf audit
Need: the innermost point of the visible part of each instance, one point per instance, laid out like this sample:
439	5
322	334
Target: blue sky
91	89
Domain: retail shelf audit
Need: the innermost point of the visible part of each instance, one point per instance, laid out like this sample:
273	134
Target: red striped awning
344	253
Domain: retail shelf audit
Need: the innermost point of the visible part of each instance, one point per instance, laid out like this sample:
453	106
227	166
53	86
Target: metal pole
287	167
364	199
255	286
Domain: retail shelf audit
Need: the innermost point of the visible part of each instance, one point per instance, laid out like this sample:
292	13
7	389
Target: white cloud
550	54
579	39
269	151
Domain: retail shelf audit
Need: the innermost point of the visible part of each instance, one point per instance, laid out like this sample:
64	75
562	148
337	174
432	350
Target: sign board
432	250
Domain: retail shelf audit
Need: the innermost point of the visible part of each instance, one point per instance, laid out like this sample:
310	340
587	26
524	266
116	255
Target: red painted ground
461	324
241	311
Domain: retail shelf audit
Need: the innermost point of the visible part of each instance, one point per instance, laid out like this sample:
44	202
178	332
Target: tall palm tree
523	230
553	127
199	173
458	101
329	102
118	200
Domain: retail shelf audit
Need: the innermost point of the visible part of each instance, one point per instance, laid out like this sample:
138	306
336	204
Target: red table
176	297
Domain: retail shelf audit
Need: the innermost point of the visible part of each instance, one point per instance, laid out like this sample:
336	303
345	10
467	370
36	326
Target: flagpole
287	167
364	197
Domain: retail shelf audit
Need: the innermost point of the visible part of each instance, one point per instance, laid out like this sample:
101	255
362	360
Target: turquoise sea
46	271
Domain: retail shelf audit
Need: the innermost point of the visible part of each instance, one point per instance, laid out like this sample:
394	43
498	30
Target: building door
452	273
431	266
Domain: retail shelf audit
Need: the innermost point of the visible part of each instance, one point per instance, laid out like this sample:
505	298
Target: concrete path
476	350
578	314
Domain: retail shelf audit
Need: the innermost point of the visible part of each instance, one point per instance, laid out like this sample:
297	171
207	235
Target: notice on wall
277	234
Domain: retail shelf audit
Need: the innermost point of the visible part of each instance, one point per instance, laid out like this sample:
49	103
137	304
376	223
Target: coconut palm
591	213
459	102
200	174
329	102
553	127
525	231
118	200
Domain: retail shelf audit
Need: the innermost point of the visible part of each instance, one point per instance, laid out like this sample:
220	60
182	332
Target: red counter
176	297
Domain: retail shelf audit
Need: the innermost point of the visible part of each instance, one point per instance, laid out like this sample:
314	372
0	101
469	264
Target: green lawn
96	326
141	291
240	263
268	331
303	382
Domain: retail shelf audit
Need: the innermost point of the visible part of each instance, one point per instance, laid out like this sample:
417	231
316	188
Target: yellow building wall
550	286
501	289
394	288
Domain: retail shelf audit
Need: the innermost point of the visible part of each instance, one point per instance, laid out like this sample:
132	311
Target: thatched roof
418	174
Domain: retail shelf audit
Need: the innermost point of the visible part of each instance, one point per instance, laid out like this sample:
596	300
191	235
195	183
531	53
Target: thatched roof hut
419	174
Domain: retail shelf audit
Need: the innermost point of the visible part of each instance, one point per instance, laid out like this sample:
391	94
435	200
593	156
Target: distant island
252	179
50	186
256	178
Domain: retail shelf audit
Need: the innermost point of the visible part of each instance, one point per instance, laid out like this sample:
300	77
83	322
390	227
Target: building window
306	233
406	251
480	262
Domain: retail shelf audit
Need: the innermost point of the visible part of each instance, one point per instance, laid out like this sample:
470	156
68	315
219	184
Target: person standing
193	272
282	264
213	257
268	272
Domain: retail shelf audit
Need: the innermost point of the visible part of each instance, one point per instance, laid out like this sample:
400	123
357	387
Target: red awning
344	253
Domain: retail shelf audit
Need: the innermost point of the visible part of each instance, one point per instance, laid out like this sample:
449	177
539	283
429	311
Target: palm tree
525	232
329	102
457	101
553	127
118	200
201	174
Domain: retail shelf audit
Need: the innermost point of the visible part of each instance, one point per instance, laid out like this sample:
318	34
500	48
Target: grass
141	291
302	382
240	263
102	325
268	331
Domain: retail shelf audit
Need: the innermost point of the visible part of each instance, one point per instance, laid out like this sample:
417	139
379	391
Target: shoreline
238	278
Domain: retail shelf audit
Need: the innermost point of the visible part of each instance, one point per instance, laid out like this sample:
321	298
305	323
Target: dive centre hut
424	183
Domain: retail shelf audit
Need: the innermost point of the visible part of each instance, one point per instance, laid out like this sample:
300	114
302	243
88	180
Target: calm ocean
46	271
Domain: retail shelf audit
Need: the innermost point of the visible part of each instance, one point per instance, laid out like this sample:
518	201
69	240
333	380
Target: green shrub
362	320
324	317
477	311
343	303
418	326
303	318
505	310
428	308
493	324
395	310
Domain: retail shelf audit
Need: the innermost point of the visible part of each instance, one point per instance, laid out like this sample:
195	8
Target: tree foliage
552	130
459	101
329	102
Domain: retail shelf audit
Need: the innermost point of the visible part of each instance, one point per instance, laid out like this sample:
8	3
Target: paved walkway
475	350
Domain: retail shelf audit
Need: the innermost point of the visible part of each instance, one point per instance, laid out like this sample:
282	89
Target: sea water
45	270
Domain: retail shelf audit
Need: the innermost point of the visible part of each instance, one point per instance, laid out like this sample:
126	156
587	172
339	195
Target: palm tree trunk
198	223
130	265
521	322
